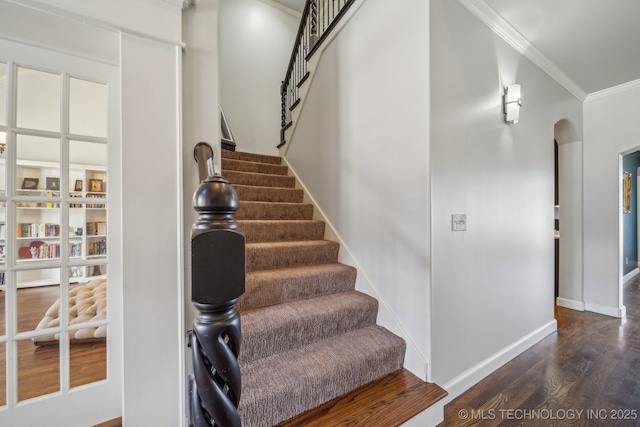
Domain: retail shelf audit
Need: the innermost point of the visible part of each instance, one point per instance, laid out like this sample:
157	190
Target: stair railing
226	138
217	281
319	17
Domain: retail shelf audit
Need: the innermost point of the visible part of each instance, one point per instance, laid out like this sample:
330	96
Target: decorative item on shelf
75	272
49	194
95	185
78	186
30	183
3	149
96	271
626	192
53	183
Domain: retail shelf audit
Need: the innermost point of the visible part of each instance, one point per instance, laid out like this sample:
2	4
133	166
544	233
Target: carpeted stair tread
259	179
256	167
269	287
282	386
251	157
281	231
273	255
292	325
308	336
274	210
256	193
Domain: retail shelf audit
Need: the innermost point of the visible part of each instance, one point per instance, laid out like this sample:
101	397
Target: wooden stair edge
387	402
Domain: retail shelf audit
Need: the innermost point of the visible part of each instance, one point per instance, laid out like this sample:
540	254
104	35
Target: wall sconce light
512	103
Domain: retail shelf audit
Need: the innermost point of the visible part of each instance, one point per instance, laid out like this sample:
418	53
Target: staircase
307	335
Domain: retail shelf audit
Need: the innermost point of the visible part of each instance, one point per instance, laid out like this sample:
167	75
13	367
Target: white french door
60	257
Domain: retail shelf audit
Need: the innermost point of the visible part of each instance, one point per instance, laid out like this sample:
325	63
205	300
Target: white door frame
93	403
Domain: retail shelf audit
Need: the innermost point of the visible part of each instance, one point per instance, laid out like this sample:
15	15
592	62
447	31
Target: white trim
414	361
619	312
282	8
514	38
180	234
630	275
568	303
614	90
432	416
473	375
93	22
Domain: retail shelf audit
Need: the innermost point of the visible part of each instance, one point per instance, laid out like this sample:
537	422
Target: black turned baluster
314	23
218	280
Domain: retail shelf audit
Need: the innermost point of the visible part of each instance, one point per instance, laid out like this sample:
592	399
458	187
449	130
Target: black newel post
218	280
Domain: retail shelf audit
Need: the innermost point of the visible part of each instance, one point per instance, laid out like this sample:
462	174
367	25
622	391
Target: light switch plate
458	222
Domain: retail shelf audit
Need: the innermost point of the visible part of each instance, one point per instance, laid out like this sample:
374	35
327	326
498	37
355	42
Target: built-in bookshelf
33	219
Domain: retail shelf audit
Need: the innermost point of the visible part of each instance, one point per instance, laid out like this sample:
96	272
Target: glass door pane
87	108
38	100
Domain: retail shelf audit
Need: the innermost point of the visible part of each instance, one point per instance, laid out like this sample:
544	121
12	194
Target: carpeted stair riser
251	157
269	256
285	327
308	336
273	211
281	231
255	193
280	387
245	166
270	287
258	179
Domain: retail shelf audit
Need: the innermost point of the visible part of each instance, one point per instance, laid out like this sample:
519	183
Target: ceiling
595	43
587	45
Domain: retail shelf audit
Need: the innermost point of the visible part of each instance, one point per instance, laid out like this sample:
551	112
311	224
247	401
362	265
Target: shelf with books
51	210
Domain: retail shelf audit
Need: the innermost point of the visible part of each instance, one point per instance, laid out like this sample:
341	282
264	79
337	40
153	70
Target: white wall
152	196
361	149
201	118
493	285
611	129
150	18
256	40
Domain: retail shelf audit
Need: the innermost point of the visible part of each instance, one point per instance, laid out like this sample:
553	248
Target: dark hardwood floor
39	366
586	374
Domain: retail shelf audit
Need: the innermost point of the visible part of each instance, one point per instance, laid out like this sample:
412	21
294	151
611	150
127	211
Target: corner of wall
415	361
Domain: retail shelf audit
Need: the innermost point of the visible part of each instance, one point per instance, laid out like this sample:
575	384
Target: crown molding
283	8
614	90
516	40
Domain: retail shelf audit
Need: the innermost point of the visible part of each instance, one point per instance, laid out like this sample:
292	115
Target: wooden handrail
218	264
319	18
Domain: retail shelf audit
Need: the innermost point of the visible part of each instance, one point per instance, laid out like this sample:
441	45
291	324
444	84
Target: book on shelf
38	230
97	228
97	248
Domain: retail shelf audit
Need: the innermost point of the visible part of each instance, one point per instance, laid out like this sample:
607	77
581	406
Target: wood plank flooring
387	402
587	374
39	366
584	375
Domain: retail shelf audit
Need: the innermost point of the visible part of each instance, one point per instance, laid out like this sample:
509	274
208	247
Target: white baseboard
432	416
630	275
568	303
619	312
472	376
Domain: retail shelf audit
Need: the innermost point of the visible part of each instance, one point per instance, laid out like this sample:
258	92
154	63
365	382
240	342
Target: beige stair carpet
308	335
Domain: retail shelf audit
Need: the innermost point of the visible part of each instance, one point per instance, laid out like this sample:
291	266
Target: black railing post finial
217	281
